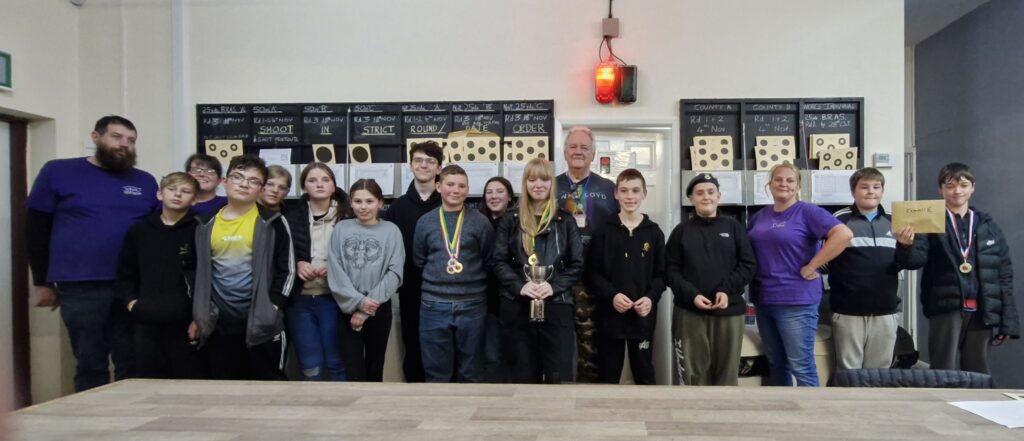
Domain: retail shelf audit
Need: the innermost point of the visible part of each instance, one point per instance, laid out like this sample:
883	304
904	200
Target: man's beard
111	160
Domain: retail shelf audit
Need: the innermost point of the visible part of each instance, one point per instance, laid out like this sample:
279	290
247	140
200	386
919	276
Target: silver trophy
537	274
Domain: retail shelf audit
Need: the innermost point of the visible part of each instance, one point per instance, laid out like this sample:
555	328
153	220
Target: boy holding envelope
967	282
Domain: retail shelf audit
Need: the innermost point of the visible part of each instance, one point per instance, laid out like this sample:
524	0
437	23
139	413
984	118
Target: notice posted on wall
478	174
730	184
831	187
384	174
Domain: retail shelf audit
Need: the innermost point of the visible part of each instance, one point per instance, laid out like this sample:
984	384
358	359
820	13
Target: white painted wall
119	56
41	36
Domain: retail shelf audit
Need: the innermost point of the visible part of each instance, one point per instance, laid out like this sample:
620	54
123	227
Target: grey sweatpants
962	337
864	341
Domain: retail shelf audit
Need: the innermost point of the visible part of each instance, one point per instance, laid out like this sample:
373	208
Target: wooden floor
208	410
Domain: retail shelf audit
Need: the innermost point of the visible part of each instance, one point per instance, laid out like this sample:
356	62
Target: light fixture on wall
614	79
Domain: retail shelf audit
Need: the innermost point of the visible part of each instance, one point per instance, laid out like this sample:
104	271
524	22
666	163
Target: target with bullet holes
359	154
224	150
838	159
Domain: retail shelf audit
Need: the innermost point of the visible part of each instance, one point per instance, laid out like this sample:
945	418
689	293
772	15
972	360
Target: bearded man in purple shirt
78	212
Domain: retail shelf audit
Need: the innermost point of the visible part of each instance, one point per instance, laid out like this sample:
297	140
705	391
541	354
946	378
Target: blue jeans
452	337
313	328
100	331
787	336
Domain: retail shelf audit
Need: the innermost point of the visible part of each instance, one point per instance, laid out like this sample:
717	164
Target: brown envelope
924	216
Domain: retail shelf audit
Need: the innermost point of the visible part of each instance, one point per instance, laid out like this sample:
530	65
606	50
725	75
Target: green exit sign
5	70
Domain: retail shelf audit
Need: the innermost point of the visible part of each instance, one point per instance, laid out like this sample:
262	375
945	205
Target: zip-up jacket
273	266
404	212
708	255
154	269
559	245
298	219
940	280
865	277
627	262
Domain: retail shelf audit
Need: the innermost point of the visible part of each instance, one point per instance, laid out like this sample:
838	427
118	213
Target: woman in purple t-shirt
786	290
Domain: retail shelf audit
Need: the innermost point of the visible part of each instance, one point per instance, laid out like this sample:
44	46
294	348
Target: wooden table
253	411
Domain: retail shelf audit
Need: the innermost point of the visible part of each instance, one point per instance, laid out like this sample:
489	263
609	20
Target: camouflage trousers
586	337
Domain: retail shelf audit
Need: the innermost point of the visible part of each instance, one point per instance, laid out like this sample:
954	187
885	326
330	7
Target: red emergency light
605	82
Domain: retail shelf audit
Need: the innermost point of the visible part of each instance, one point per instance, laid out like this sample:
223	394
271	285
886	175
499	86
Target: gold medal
964	250
452	245
533	259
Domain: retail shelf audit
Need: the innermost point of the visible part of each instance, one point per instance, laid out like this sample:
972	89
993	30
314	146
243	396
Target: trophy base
536	310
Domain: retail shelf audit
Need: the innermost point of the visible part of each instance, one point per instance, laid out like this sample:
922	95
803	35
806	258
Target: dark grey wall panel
969	104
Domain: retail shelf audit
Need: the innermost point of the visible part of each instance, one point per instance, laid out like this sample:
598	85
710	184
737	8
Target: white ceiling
926	17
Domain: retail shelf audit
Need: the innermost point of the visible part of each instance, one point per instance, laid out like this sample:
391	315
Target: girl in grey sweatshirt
365	263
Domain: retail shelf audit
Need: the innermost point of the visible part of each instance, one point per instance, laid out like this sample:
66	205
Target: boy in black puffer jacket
967	282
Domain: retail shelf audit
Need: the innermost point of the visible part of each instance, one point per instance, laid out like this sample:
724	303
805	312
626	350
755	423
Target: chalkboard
425	125
475	107
276	125
426	108
223	122
527	106
376	108
709	119
324	129
746	119
385	126
382	129
484	122
833	117
528	124
770	119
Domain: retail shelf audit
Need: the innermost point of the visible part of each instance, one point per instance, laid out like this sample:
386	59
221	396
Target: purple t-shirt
92	209
210	206
783	243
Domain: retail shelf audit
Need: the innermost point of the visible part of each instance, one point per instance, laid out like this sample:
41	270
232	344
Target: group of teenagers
173	281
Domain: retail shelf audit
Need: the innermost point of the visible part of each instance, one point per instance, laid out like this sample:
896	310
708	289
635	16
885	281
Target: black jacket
865	277
297	217
559	245
404	212
707	255
154	267
630	262
940	280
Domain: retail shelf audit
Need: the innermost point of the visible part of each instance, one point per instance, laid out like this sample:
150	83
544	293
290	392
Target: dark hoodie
707	255
405	212
631	263
152	268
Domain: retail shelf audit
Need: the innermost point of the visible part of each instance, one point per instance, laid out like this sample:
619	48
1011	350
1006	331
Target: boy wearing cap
967	281
709	261
864	279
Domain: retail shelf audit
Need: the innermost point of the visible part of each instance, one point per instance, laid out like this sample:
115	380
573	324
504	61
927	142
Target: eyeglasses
202	171
238	179
428	161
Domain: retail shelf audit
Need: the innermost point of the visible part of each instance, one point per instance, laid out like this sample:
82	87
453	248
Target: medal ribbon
970	233
545	219
455	242
581	196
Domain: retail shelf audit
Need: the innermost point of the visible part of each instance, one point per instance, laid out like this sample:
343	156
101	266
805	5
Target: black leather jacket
559	245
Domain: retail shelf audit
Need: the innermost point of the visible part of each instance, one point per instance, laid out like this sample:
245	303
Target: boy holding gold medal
452	245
